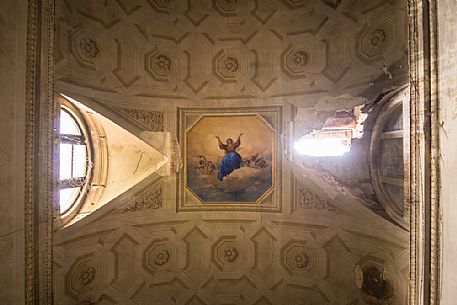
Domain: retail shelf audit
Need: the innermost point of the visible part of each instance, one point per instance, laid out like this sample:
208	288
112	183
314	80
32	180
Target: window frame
390	105
63	217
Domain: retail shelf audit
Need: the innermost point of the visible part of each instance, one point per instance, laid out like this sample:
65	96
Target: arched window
387	164
82	161
74	159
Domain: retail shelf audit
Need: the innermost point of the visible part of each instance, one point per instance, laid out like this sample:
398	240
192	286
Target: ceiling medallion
163	63
299	59
301	260
230	254
231	64
86	275
378	38
88	47
162	257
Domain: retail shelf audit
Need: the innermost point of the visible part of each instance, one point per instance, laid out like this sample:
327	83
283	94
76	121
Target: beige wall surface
447	25
13	24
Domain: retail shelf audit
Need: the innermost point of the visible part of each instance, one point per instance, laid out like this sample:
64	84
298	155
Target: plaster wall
13	23
448	144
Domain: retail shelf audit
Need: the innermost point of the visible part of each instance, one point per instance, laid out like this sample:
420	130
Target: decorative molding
33	47
40	109
301	260
227	8
162	257
230	254
88	47
333	3
149	120
179	60
378	38
151	200
229	64
86	275
374	40
424	154
306	199
161	63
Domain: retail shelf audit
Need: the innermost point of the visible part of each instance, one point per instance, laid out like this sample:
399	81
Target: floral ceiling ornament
162	257
231	64
151	200
378	38
230	254
88	47
299	59
301	260
86	275
163	63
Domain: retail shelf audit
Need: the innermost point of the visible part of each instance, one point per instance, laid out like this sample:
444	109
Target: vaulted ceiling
136	59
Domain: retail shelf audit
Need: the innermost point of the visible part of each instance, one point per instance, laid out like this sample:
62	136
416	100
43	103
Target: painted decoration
230	158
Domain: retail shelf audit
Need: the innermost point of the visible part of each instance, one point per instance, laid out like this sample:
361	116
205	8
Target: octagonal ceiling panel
234	169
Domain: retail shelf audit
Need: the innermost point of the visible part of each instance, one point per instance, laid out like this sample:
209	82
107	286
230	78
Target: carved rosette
84	275
89	48
229	65
230	254
227	253
378	38
161	63
300	260
375	39
160	256
301	59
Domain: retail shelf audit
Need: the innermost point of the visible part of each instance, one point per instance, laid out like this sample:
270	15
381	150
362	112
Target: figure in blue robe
231	160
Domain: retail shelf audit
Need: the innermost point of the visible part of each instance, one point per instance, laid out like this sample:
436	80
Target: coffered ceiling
237	49
136	61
